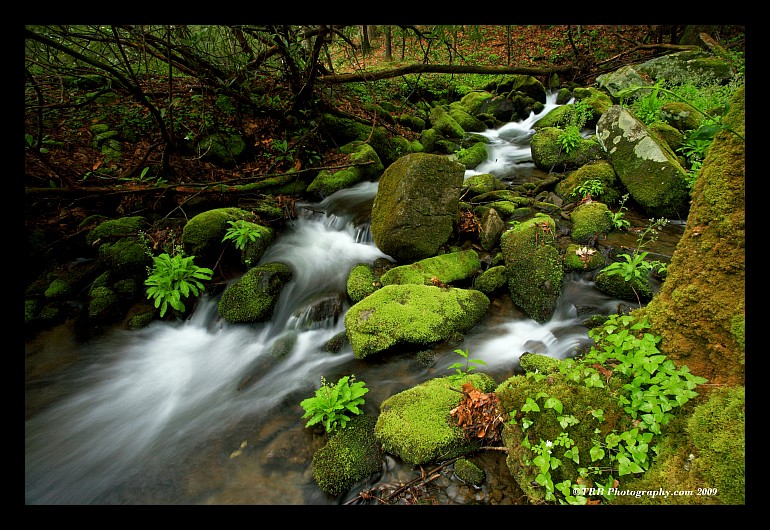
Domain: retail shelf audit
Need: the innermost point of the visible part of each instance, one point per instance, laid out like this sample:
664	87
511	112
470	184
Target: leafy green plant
333	405
241	233
591	187
31	143
647	107
569	138
652	387
617	218
635	265
461	369
173	278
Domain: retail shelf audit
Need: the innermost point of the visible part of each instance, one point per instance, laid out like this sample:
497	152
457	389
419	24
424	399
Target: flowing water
206	412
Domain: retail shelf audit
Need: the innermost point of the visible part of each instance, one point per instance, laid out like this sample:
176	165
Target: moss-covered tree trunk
700	309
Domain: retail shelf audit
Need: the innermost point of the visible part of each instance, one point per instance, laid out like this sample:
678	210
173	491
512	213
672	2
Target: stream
161	415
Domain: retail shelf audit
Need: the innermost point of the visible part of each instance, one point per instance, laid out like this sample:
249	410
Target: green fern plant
173	278
241	233
333	405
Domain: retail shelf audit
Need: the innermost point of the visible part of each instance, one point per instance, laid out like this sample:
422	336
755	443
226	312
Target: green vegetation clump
595	421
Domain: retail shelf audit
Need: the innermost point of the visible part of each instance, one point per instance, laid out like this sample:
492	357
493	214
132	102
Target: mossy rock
416	424
411	315
253	297
590	220
446	268
350	455
469	472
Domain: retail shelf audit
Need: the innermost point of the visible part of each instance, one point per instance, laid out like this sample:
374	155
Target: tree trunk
388	43
700	308
691	34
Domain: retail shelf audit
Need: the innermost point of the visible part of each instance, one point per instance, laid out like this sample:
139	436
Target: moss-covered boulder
681	116
445	268
621	79
548	152
350	455
411	315
416	424
590	220
464	119
483	183
366	166
696	67
202	235
647	167
672	136
114	229
533	266
253	297
597	100
361	282
473	155
490	229
126	257
551	405
417	201
491	280
469	472
445	124
474	102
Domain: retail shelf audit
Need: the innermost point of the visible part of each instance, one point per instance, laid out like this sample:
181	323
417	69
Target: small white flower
548	443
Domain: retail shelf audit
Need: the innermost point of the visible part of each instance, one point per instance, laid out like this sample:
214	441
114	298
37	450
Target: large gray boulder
417	201
644	164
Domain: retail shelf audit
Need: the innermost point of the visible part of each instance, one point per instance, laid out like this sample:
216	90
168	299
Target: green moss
103	300
600	170
361	283
590	220
58	289
126	256
573	261
636	290
202	235
473	156
446	268
535	362
534	266
484	183
469	472
416	424
411	314
718	433
116	229
253	297
491	280
578	401
350	455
